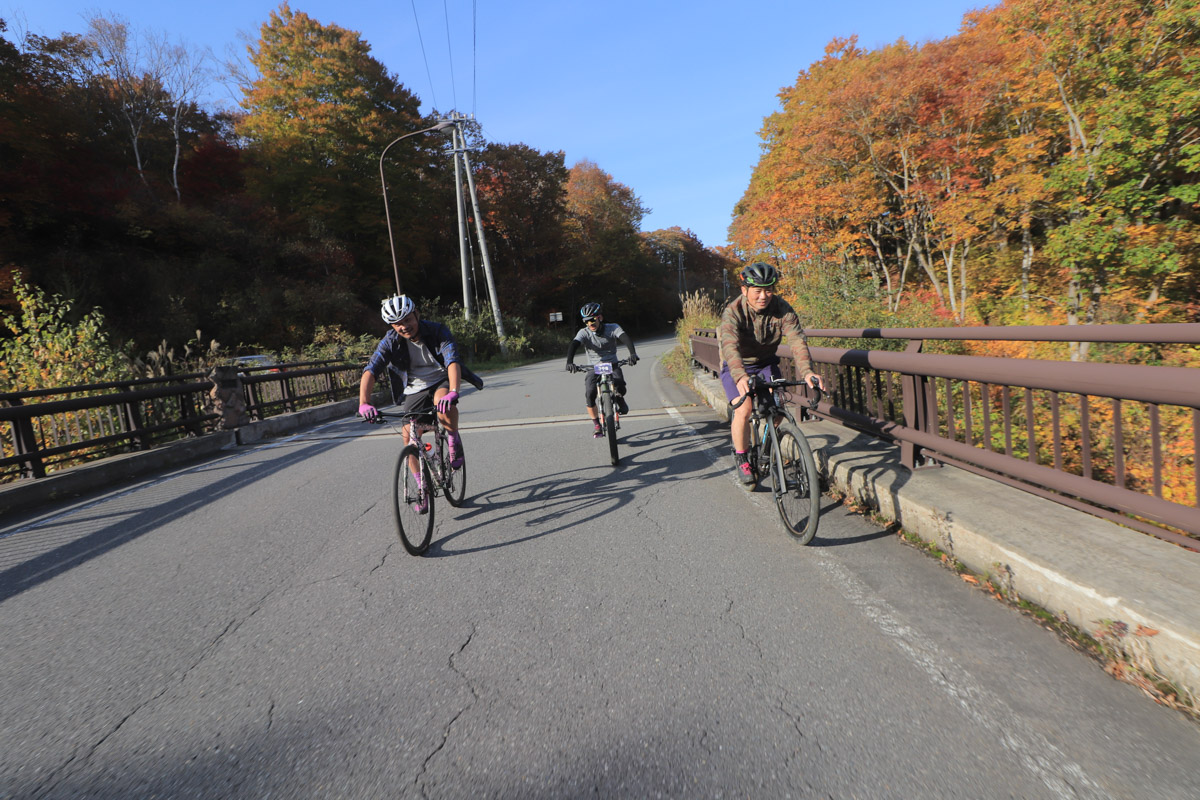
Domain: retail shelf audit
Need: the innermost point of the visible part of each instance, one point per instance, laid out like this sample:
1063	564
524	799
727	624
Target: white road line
1047	763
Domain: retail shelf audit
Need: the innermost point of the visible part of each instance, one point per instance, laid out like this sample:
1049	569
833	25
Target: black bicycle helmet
589	310
760	274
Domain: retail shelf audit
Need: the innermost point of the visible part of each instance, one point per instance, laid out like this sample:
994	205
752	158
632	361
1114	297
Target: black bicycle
780	450
423	472
610	420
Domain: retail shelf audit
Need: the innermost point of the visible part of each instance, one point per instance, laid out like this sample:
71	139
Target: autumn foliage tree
607	261
317	114
1039	166
523	193
265	227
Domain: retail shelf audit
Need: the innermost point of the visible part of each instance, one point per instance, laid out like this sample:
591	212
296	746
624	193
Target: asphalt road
251	627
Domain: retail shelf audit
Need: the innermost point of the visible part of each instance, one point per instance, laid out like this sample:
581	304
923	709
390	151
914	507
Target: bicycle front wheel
799	496
412	502
758	454
455	484
610	425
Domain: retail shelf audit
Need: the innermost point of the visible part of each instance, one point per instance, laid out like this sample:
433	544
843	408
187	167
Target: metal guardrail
74	424
1116	440
290	387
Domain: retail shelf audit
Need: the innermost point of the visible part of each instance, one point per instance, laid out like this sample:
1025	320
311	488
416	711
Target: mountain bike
413	492
778	449
610	420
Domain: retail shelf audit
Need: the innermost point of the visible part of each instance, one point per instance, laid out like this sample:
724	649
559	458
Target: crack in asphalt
383	559
417	781
641	511
363	513
58	775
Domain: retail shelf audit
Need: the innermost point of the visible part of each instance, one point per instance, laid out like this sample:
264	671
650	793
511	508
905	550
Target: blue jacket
392	355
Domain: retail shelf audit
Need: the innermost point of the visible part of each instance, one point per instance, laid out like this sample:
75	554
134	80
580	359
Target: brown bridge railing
1116	440
48	429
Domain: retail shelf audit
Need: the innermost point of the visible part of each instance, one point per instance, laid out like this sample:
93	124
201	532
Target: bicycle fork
770	447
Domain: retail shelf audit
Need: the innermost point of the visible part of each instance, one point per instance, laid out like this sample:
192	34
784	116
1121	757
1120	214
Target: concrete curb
1088	571
73	482
69	483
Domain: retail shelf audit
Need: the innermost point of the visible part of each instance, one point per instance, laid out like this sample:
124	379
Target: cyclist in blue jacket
599	339
423	367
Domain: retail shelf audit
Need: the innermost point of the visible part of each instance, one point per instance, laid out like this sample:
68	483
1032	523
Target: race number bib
603	368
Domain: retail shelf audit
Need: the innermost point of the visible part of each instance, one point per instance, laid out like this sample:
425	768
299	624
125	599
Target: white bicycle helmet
396	308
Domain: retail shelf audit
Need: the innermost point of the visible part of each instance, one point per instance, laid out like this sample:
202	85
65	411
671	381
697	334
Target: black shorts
590	390
421	403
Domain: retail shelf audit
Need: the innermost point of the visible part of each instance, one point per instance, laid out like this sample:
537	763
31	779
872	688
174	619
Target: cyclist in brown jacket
751	330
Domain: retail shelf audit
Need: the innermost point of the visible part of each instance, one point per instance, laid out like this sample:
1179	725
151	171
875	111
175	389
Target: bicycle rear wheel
799	499
610	425
455	485
412	503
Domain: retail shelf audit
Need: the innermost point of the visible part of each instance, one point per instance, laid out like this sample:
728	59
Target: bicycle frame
412	431
767	408
767	405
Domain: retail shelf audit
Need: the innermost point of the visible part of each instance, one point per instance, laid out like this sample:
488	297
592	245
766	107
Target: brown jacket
749	338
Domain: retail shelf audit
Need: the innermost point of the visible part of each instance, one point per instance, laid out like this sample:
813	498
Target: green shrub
47	346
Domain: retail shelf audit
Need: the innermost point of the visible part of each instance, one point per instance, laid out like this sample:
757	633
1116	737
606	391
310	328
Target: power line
450	53
474	59
428	74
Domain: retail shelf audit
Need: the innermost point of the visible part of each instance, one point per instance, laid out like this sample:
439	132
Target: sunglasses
590	320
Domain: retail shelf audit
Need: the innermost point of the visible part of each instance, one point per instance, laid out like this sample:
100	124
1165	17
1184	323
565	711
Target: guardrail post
25	442
187	412
913	397
228	399
133	421
289	394
255	407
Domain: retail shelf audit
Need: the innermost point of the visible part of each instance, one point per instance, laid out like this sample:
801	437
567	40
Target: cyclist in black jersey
599	339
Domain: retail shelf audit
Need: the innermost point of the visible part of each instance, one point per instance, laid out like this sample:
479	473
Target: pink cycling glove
447	400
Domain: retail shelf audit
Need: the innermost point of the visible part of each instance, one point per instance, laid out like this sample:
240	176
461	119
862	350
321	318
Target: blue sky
667	97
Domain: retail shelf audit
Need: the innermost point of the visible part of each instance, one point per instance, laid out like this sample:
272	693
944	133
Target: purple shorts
768	371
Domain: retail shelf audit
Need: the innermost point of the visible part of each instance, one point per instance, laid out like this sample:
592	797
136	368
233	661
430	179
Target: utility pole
457	120
468	300
682	277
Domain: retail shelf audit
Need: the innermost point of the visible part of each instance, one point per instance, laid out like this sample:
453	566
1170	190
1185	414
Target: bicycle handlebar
380	416
623	362
757	384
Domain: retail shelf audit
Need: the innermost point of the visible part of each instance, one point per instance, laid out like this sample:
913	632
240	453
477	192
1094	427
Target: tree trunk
962	281
1026	262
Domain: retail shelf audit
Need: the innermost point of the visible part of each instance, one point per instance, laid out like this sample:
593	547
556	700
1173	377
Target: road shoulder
1138	592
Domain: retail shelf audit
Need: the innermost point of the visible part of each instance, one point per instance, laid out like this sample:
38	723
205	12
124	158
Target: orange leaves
1061	124
320	94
